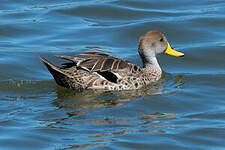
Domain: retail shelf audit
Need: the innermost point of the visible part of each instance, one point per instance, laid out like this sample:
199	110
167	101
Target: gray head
153	43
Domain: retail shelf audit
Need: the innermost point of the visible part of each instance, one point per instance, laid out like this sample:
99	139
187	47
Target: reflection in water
92	99
97	49
81	103
84	145
146	123
74	108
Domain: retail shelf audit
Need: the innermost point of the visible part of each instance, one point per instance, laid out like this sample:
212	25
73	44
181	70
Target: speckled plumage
96	70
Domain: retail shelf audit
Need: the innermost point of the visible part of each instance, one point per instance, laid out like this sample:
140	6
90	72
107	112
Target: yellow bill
173	52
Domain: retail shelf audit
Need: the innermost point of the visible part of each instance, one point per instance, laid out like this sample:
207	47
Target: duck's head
153	43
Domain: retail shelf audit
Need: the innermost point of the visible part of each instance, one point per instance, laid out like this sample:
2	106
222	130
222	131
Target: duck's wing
100	62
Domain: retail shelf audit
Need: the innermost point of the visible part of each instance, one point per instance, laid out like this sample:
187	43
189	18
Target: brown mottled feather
103	62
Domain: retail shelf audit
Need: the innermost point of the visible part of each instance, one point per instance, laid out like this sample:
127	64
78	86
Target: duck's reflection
107	127
92	99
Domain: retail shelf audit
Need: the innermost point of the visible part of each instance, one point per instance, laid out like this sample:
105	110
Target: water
185	110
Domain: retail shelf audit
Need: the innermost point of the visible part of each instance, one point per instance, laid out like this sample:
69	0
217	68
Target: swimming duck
94	70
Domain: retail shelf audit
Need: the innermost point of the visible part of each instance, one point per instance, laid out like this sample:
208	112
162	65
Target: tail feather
60	77
52	68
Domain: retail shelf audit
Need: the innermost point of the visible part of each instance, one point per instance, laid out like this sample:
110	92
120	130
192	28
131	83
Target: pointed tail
58	74
49	65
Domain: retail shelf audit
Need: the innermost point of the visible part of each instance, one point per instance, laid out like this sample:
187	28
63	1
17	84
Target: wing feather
96	61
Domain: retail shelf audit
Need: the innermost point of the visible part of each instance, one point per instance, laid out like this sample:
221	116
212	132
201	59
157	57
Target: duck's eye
161	40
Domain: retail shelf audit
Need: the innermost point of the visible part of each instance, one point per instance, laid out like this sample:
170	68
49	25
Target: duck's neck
151	64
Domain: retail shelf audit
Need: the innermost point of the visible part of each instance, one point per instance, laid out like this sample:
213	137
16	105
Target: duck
96	70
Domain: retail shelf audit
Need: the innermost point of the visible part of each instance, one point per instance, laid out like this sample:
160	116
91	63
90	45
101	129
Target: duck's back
96	70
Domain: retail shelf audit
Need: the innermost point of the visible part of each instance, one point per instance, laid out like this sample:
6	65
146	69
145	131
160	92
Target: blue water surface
184	110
